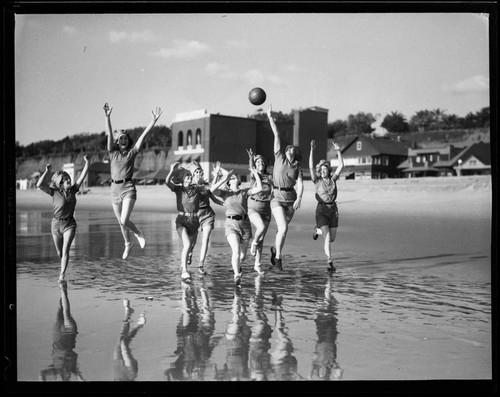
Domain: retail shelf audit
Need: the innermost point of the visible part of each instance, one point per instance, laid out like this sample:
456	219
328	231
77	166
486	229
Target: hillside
154	158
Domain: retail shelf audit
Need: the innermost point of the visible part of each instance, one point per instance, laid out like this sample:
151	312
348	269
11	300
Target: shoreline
153	198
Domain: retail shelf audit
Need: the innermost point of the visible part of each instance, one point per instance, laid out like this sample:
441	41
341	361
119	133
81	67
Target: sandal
201	271
273	255
186	277
258	268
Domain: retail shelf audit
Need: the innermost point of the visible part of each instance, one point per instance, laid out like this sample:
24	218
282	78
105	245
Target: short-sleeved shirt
188	198
267	188
205	197
64	202
326	189
235	203
122	165
285	174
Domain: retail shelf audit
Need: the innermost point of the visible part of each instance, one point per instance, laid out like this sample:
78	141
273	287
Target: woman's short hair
57	179
119	133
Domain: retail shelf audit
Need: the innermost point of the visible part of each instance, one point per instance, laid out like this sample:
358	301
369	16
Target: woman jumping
122	153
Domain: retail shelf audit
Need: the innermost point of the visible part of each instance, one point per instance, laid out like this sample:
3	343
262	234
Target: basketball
257	96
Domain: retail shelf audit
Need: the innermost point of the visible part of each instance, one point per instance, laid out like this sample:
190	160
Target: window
385	160
198	137
376	160
189	138
358	145
431	158
419	159
180	139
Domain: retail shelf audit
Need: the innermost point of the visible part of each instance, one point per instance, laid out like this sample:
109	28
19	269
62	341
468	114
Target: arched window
198	137
180	139
189	139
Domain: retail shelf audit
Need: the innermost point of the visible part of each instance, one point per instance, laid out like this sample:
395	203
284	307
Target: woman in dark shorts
287	189
206	215
64	199
238	229
327	214
122	154
259	208
187	222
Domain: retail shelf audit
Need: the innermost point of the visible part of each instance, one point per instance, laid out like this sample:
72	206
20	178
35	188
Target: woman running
206	215
259	208
187	222
287	189
238	229
64	200
327	214
122	153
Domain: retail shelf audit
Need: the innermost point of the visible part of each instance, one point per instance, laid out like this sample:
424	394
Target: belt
260	201
322	202
191	214
121	180
237	217
284	189
64	219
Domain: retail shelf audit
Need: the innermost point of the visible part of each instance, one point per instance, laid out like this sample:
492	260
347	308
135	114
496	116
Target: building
448	160
208	138
369	157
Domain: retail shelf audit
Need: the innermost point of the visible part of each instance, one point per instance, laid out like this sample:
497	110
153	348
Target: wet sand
411	299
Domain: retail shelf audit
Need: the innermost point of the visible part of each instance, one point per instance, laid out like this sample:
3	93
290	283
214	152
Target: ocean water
402	310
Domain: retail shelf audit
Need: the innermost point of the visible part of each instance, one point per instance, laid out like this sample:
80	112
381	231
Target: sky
68	65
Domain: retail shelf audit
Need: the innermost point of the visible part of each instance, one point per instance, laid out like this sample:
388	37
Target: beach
411	298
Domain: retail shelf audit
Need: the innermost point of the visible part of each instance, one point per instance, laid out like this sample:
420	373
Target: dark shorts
60	226
263	208
207	218
122	191
327	215
242	228
191	223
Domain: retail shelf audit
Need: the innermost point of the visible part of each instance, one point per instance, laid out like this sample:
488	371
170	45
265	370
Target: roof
379	145
420	169
480	150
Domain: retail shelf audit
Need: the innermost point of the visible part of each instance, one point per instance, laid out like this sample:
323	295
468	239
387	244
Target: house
208	138
473	160
448	161
369	157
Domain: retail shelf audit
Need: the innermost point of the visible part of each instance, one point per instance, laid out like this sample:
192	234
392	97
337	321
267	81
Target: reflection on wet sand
259	357
283	362
324	366
194	332
125	366
64	359
237	342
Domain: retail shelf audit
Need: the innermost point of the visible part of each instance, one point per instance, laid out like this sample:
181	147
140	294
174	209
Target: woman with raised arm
187	222
122	154
206	215
327	214
238	229
64	200
287	189
259	208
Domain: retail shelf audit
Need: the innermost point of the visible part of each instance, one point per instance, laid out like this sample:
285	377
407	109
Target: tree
395	122
337	128
360	123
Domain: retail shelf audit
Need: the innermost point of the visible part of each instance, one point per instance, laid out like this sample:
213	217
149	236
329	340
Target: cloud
251	77
145	36
474	84
294	69
69	29
182	49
